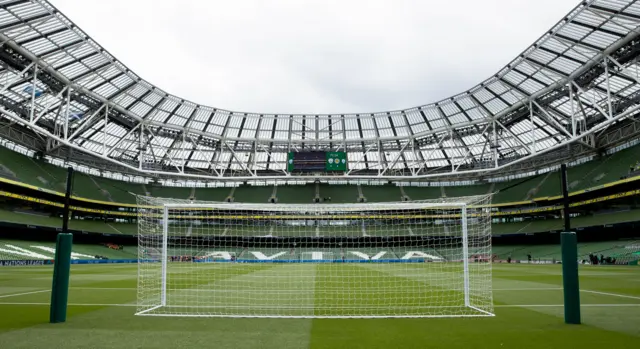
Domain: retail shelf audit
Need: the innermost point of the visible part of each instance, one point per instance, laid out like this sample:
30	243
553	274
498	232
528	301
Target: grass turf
528	302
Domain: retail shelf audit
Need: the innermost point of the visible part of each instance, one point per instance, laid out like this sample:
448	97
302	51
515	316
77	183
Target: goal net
428	258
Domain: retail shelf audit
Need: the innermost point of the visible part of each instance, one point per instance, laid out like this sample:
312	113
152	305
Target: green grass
300	290
527	302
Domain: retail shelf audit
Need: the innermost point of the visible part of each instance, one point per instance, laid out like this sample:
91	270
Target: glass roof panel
563	50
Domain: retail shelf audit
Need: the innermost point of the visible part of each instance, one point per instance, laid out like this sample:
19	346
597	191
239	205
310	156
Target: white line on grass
611	294
23	294
277	307
227	290
73	304
529	289
261	291
562	305
104	288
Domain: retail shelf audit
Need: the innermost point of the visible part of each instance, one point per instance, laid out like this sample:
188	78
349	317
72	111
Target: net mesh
403	259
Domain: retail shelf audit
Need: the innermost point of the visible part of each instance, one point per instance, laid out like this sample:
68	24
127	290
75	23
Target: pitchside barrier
13	263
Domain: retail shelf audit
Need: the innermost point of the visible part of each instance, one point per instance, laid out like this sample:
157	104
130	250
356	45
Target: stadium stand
608	168
456	191
514	190
381	193
17	167
536	226
274	253
338	193
170	192
296	194
46	250
253	193
212	194
28	170
552	252
421	193
74	224
85	186
622	251
531	226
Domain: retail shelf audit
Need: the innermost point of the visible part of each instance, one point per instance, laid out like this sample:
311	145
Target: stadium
437	226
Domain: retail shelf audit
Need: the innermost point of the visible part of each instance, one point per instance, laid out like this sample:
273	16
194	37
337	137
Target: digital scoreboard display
317	161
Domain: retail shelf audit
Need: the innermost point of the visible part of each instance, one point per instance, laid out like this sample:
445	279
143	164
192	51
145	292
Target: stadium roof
525	109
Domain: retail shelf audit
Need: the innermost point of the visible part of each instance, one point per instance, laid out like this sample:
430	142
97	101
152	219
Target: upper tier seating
608	168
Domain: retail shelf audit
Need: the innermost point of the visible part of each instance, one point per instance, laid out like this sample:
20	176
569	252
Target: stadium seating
352	230
552	252
339	193
275	253
466	190
30	171
381	193
401	252
515	190
287	230
608	169
212	194
87	251
253	194
16	166
623	250
85	186
120	191
74	224
527	227
557	224
170	192
296	194
421	193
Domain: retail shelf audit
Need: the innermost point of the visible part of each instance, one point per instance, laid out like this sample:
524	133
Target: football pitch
527	298
312	289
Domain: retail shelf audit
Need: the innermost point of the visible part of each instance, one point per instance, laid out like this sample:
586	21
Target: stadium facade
387	214
571	97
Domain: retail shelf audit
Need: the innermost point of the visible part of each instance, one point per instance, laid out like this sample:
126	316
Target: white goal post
428	258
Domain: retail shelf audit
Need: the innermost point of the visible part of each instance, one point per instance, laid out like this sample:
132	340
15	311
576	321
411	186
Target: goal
428	258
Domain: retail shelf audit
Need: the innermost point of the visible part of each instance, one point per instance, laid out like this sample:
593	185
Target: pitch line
244	290
614	305
529	289
23	294
611	294
73	304
296	291
562	305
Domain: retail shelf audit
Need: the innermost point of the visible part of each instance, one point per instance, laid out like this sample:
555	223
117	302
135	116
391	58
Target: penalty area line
613	305
73	304
611	294
23	293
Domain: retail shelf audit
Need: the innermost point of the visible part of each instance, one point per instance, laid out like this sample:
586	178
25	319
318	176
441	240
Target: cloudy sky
313	56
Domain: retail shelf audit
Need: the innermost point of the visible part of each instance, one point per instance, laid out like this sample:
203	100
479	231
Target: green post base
60	285
569	246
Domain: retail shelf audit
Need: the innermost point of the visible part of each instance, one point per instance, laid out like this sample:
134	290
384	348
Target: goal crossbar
314	207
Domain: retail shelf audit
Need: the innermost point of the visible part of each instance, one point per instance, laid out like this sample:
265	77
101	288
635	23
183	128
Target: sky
315	56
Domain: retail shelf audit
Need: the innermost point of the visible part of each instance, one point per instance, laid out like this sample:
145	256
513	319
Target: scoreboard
331	161
336	161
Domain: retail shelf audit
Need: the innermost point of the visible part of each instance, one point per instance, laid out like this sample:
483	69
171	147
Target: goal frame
461	206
